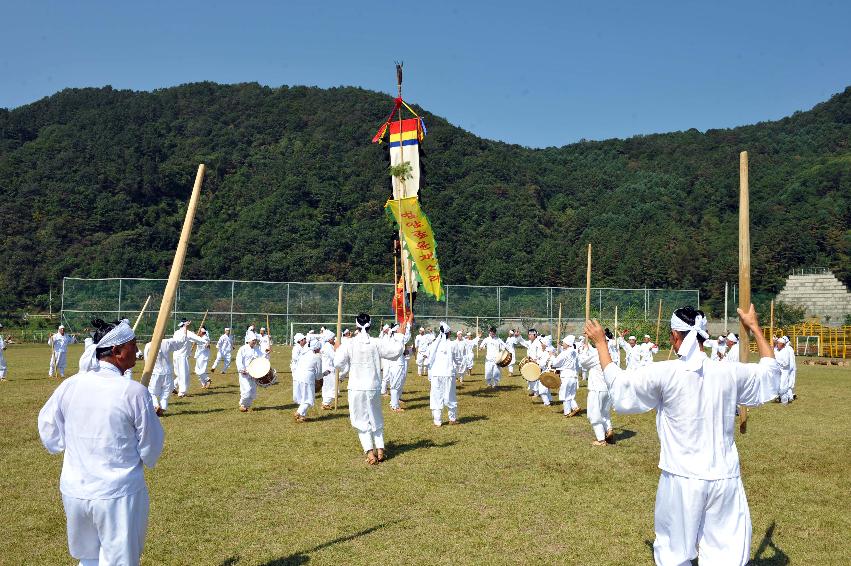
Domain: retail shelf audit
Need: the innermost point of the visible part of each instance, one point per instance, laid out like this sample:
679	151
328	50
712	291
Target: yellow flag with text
418	241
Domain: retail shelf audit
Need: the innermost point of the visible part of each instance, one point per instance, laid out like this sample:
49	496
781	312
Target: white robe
510	345
444	357
362	355
396	368
266	346
2	358
329	377
202	358
700	502
634	354
108	429
247	384
161	383
492	347
59	352
181	360
784	359
599	402
307	371
567	362
224	349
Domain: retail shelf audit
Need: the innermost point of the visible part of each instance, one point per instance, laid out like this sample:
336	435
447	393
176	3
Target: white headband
119	335
689	352
363	326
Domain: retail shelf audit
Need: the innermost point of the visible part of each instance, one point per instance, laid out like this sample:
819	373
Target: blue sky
532	73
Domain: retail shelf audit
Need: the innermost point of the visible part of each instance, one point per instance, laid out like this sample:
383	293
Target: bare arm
749	319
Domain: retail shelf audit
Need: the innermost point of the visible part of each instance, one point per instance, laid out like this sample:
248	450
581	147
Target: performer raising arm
701	507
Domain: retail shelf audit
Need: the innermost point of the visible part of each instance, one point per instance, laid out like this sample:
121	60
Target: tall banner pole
558	327
173	278
588	287
658	322
744	270
771	325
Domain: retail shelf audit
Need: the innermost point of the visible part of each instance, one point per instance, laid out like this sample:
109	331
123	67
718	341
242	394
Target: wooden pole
771	325
744	270
558	327
658	322
173	278
203	320
339	341
588	287
141	312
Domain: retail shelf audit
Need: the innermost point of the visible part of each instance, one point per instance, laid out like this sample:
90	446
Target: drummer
247	384
493	346
534	347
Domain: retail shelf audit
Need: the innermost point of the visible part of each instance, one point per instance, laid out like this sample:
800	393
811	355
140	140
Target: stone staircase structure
822	295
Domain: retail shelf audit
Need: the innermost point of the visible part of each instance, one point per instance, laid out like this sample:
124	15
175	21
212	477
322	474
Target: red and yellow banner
418	241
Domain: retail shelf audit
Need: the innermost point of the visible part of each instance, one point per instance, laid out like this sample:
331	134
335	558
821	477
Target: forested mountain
94	182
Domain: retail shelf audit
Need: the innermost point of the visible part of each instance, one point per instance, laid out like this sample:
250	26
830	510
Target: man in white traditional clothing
108	429
307	371
470	344
2	356
202	358
385	378
493	346
299	348
793	369
444	358
545	356
363	354
511	345
648	350
421	343
181	356
59	343
396	367
534	349
599	402
461	361
566	362
224	348
328	373
732	354
265	343
161	382
701	508
718	346
633	352
247	353
785	359
249	332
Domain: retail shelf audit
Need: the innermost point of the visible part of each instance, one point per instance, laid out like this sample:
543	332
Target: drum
529	369
551	380
504	359
261	370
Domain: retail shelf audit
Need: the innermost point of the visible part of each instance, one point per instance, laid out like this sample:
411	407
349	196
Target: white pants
107	531
304	394
181	372
201	369
421	363
395	381
366	417
247	389
384	380
705	518
328	392
58	361
567	392
492	373
443	395
160	388
600	413
511	364
542	391
222	357
2	365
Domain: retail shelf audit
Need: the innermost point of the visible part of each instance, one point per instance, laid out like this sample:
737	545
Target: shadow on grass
423	398
191	412
399	449
778	558
303	557
287	407
623	434
409	406
472	419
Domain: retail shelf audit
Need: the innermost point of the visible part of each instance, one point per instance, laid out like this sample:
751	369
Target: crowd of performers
107	424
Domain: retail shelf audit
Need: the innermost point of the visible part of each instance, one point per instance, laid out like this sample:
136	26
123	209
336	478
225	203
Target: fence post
119	298
288	313
62	302
645	304
232	285
447	305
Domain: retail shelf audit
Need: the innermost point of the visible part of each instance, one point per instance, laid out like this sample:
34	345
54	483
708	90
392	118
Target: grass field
515	483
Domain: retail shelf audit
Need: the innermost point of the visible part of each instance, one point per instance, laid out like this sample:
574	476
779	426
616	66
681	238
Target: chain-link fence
287	307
